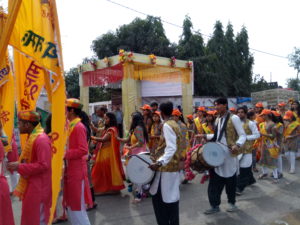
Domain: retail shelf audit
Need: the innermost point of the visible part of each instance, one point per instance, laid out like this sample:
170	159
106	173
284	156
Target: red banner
102	77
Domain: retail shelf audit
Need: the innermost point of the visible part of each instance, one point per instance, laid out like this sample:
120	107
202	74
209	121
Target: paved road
262	204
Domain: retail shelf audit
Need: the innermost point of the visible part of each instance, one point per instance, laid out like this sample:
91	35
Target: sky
273	26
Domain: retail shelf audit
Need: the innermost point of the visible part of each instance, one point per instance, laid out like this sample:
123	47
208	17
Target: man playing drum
245	177
165	187
230	134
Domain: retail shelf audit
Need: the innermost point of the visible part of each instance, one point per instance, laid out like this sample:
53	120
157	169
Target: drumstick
141	159
222	144
225	146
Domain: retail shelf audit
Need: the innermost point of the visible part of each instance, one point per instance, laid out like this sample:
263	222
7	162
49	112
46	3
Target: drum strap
216	138
141	159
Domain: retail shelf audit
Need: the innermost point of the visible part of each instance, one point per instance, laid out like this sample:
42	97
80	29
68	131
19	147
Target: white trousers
42	215
291	156
279	163
79	217
14	179
265	171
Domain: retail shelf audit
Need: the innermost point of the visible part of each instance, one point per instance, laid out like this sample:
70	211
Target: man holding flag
34	166
76	185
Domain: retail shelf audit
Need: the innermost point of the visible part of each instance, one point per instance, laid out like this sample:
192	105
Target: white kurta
170	181
230	165
246	160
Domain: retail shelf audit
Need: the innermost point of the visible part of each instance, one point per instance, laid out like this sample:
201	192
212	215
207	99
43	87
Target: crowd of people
97	153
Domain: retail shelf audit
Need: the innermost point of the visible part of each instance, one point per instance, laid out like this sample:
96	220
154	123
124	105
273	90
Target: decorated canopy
137	72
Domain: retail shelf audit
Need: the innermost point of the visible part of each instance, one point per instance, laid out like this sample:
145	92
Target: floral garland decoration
189	64
189	175
122	56
173	61
125	57
130	57
107	62
152	59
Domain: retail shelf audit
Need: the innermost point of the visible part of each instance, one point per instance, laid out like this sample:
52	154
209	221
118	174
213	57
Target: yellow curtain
157	73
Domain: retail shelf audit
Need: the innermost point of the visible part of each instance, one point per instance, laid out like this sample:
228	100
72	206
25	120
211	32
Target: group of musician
93	162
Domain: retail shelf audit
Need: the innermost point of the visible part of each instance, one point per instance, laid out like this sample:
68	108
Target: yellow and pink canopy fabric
145	72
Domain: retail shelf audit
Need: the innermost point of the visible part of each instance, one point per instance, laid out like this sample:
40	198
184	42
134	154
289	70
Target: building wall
274	96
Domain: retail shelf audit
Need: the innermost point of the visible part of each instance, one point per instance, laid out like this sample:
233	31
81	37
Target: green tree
294	60
293	83
106	45
222	67
96	94
258	83
191	47
231	62
217	72
99	94
144	36
245	63
72	83
190	44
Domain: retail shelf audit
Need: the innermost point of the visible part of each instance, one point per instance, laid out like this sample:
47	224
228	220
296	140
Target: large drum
138	170
206	157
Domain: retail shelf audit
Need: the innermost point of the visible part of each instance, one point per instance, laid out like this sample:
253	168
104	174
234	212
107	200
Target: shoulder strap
223	129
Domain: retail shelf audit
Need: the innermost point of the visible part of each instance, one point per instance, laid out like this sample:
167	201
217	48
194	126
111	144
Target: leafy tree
222	67
191	47
294	60
231	62
144	36
293	84
96	94
106	45
258	83
99	94
245	63
72	83
216	54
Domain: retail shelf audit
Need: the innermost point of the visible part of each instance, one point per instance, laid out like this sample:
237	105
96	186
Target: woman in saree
107	172
268	145
136	143
290	135
155	131
208	126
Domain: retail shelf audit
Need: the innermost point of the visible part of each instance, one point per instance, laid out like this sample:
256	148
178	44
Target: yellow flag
29	81
34	34
4	72
4	64
7	108
7	103
58	138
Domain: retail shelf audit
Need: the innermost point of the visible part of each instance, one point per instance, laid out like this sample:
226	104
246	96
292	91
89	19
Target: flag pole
8	28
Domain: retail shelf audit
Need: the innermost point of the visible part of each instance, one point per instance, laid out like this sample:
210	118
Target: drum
138	170
207	156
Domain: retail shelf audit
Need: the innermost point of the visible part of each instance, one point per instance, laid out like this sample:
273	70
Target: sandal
275	181
262	176
60	221
136	200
